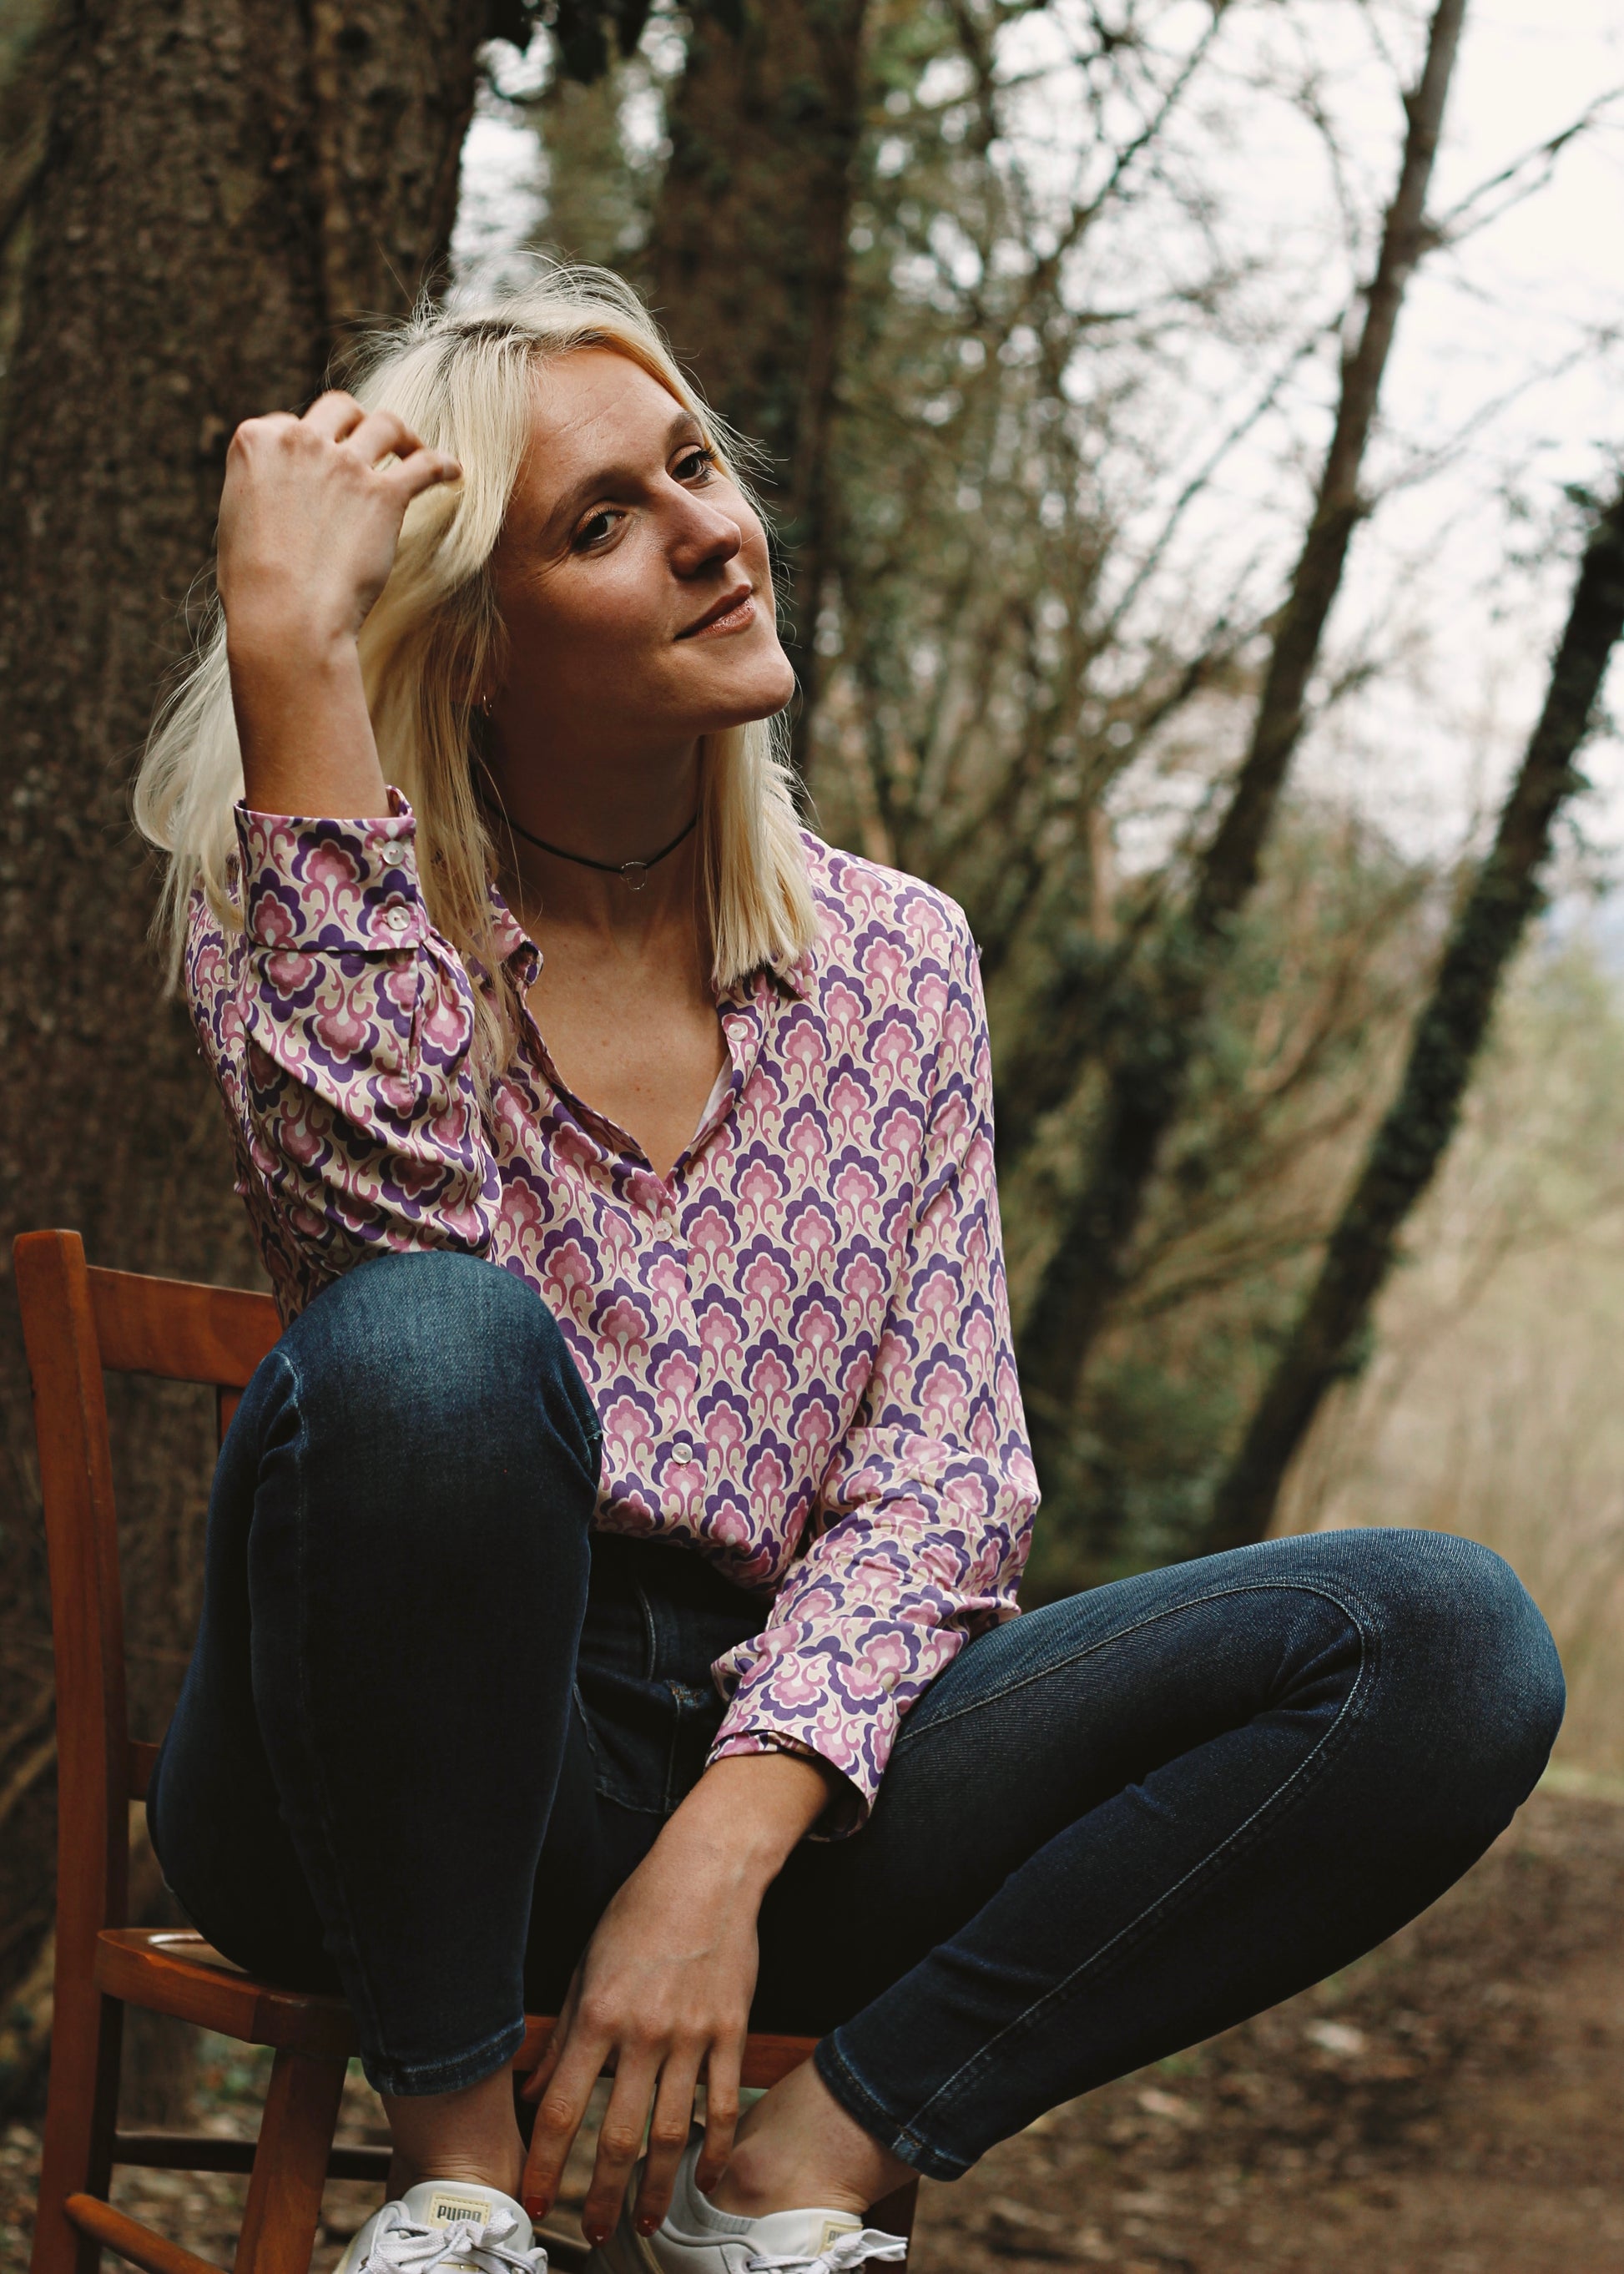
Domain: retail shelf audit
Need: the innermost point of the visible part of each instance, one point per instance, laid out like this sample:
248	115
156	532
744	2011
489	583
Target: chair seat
175	1970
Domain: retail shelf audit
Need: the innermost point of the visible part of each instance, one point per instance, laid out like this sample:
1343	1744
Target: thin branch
1544	155
1416	1132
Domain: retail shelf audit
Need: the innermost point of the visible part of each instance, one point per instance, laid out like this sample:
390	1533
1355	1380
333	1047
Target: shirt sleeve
925	1516
340	1027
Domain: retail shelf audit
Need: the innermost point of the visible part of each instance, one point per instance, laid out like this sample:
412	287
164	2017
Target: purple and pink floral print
798	1344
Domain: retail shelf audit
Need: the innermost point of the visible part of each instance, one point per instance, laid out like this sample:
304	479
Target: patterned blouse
798	1344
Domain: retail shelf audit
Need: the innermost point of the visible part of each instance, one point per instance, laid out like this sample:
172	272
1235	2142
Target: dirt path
1453	2105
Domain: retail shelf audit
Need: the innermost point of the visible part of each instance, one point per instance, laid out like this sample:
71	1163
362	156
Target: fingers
558	2112
673	2119
374	435
722	2073
423	471
620	2143
379	435
541	2075
333	415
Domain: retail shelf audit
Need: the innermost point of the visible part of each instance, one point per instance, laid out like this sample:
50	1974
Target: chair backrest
77	1322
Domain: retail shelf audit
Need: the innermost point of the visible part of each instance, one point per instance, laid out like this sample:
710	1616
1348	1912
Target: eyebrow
612	478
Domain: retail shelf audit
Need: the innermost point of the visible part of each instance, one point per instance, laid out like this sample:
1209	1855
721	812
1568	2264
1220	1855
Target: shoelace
840	2256
403	2248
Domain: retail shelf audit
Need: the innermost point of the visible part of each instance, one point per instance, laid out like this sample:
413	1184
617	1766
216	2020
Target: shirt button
681	1449
396	918
392	855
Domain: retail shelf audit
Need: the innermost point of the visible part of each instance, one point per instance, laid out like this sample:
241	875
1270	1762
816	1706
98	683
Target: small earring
484	705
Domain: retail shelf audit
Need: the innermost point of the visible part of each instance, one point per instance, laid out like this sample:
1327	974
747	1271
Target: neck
625	814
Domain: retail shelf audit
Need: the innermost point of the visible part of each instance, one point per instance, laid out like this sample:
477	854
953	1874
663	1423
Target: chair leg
290	2165
81	2109
894	2214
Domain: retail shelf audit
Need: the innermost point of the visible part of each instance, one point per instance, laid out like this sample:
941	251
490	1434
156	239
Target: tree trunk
1415	1135
1153	1027
25	107
749	256
221	187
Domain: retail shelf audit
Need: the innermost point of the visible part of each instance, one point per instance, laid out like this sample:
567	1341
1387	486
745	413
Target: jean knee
1518	1650
408	1347
1460	1623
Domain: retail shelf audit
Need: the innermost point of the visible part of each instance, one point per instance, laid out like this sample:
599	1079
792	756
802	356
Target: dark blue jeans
432	1721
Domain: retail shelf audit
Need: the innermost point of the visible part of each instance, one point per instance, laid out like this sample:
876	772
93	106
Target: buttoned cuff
313	885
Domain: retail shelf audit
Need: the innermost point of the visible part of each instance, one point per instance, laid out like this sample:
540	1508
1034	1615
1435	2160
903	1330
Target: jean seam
405	2079
916	1732
1304	1772
855	2094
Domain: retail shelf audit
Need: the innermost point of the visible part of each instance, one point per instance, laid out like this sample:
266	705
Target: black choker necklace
635	872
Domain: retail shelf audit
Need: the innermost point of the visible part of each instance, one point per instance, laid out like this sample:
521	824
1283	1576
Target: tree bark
1152	1028
749	256
221	188
1415	1135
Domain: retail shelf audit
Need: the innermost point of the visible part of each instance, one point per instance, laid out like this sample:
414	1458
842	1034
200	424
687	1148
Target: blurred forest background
1193	431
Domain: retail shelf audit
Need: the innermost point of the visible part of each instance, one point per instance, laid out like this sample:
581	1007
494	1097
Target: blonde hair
463	378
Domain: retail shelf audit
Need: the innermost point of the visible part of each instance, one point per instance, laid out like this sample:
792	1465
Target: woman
629	1630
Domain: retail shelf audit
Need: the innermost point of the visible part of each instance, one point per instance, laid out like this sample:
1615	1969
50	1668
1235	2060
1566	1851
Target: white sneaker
695	2238
457	2225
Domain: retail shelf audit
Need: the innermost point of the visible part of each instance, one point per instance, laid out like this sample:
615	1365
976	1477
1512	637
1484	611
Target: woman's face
624	544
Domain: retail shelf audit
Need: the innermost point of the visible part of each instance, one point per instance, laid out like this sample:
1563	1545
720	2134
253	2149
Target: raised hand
309	518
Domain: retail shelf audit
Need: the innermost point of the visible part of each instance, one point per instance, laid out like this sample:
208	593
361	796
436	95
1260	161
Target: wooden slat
358	2162
180	1329
163	1969
138	2244
183	2151
568	2253
209	2152
766	2058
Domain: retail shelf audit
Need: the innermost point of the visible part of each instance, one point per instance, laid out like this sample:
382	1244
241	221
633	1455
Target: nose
703	533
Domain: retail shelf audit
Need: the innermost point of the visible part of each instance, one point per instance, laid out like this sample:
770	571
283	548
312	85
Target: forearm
746	1814
302	723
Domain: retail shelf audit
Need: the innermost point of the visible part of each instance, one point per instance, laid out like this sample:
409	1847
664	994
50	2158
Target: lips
724	606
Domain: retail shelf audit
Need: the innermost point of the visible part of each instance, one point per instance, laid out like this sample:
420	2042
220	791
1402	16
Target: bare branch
1416	1132
1158	1021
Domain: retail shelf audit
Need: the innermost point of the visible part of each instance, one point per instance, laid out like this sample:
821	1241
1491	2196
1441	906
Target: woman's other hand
309	521
663	1992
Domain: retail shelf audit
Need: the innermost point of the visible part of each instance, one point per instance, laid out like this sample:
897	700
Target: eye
699	463
585	538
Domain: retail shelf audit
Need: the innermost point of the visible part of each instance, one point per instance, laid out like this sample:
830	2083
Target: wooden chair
79	1323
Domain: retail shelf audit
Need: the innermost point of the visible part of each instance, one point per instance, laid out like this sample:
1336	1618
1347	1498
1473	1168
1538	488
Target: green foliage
1297	1055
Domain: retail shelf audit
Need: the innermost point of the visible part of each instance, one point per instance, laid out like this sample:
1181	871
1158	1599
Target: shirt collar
795	980
518	949
512	941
